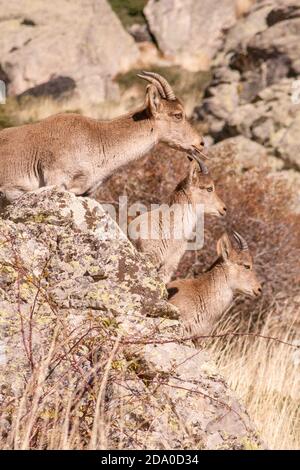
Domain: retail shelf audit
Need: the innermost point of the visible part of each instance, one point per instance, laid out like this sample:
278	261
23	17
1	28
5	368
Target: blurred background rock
235	64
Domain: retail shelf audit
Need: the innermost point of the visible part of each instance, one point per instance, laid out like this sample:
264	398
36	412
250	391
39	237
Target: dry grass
80	409
188	85
65	413
27	110
265	376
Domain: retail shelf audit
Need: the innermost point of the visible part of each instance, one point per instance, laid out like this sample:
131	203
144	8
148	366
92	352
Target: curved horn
241	241
170	95
203	168
154	82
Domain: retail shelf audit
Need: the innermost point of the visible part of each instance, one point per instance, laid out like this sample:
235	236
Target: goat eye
210	189
178	116
247	266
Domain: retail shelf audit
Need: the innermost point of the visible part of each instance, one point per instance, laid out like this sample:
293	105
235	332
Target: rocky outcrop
79	304
246	154
191	32
83	41
254	87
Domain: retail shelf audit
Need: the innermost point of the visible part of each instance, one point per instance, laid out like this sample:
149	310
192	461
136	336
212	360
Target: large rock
79	308
190	32
272	119
246	154
254	80
82	40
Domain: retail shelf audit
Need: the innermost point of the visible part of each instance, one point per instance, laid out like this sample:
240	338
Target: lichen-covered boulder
88	339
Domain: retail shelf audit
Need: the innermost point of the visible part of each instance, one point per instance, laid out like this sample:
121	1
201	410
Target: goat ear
224	246
153	100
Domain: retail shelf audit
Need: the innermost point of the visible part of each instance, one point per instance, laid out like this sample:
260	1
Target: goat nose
259	290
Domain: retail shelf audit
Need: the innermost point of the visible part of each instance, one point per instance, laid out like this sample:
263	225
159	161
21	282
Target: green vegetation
15	112
129	11
6	119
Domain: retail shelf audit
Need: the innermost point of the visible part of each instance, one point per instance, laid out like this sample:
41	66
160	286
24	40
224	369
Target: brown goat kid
202	301
163	233
77	153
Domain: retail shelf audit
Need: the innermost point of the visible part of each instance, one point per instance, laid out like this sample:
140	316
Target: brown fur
166	251
77	153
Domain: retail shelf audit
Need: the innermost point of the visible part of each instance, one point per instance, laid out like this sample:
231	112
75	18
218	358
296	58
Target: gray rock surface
82	40
247	154
72	287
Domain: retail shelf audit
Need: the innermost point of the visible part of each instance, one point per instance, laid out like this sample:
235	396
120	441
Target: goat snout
257	291
222	211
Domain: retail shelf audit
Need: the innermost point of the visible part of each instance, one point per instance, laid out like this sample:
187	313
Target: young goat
202	301
163	233
77	153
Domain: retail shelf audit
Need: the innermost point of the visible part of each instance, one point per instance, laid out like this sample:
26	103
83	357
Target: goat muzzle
223	211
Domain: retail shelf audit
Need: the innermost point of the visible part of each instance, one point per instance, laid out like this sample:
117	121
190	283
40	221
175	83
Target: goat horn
169	93
241	241
203	168
154	82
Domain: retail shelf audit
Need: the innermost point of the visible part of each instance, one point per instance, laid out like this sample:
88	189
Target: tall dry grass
28	109
65	414
265	376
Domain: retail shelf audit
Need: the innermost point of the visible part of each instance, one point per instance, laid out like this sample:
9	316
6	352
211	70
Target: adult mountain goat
202	301
77	153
